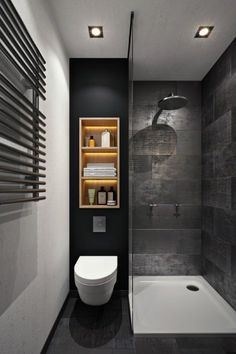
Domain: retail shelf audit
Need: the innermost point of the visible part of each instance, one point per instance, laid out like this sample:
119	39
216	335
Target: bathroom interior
118	177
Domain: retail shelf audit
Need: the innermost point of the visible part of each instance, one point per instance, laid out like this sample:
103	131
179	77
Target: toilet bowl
95	277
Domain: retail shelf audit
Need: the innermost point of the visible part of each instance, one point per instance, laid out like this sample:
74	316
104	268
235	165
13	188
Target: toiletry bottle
102	196
111	195
91	141
106	138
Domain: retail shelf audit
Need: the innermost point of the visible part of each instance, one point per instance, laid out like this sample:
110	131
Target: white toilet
95	277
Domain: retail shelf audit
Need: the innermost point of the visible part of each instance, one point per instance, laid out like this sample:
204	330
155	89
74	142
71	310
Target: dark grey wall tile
166	170
188	191
225	96
225	161
217	192
177	167
158	140
219	161
163	217
233	186
150	92
225	225
208	219
219	73
167	241
188	143
166	264
208	166
217	134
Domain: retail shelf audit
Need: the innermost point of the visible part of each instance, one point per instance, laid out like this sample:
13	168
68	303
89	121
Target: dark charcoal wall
219	175
99	87
166	170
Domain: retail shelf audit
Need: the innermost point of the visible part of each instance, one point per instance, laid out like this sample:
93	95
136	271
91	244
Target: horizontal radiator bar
23	200
22	124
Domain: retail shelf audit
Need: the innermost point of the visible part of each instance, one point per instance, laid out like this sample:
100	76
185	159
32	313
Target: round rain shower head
172	102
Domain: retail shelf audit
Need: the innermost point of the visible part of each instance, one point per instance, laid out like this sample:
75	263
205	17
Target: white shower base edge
163	305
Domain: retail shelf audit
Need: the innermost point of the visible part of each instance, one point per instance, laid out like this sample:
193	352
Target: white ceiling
164	43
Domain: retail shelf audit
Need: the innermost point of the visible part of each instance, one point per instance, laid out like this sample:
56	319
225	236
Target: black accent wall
99	88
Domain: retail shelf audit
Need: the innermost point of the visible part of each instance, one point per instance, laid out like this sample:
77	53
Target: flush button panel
99	224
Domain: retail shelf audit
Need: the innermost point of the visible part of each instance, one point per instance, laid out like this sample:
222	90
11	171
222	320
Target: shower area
182	202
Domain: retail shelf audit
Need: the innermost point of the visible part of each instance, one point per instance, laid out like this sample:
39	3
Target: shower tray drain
192	287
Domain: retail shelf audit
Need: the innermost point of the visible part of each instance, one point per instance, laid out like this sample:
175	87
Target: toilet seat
95	270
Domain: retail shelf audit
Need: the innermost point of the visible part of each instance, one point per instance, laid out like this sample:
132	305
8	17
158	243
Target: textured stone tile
147	191
218	133
143	116
225	96
233	186
217	192
191	90
150	92
214	276
166	264
225	161
158	140
229	290
163	217
208	167
208	219
233	124
167	241
142	164
217	252
188	143
225	225
208	110
188	191
219	73
176	167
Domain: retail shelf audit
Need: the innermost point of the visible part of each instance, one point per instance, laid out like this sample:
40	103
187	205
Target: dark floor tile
153	345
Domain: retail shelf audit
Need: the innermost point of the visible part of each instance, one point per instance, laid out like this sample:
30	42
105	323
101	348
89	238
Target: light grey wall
34	238
166	170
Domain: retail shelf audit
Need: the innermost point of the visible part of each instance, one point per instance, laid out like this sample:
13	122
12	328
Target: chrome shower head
172	102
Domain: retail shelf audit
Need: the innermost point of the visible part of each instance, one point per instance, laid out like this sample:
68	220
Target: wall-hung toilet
95	277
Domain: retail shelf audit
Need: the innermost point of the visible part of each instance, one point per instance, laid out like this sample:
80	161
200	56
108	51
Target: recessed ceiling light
95	31
204	31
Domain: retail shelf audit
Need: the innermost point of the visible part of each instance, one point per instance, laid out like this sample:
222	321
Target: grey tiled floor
106	330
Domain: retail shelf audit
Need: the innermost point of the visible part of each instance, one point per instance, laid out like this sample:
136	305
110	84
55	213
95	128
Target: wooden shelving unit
95	126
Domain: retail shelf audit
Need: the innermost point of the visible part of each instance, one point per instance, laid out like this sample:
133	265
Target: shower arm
157	115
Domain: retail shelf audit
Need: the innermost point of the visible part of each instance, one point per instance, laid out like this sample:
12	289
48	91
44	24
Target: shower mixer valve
151	206
177	213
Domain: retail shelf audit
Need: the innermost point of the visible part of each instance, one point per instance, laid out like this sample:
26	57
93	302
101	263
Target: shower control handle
177	206
151	206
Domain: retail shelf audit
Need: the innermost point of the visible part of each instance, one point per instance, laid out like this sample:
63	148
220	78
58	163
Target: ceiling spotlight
203	31
95	31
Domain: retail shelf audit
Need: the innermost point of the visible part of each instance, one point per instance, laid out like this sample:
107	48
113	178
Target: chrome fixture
169	103
177	207
151	206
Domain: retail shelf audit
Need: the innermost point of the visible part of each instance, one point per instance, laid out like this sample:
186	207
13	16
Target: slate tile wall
166	169
219	175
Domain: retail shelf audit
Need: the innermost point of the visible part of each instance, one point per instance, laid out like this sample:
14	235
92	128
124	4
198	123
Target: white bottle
106	138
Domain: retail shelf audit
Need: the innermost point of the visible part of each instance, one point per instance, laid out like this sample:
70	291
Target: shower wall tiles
219	175
166	171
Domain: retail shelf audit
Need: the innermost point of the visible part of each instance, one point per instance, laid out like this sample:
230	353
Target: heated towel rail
22	124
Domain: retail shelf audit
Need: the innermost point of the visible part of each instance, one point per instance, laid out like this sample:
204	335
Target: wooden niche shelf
98	154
